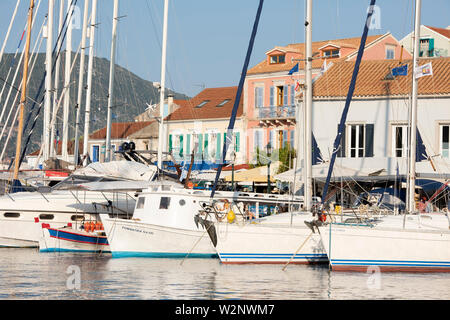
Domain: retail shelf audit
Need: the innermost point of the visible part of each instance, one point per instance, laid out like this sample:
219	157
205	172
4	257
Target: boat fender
231	216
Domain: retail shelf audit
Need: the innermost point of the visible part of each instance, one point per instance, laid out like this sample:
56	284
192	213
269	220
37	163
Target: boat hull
265	244
68	240
128	238
364	248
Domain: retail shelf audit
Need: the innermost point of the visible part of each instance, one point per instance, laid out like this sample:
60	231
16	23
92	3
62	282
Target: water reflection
28	274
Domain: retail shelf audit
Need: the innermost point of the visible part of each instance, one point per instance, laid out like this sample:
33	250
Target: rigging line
40	107
9	30
11	85
17	109
238	96
159	40
40	89
13	60
32	60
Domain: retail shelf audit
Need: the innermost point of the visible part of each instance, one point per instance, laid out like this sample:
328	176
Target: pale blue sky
208	39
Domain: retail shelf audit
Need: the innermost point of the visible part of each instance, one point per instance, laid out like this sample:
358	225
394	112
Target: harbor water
26	274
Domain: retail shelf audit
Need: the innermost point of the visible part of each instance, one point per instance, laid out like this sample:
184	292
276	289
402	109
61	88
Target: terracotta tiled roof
352	43
443	31
210	110
120	130
371	79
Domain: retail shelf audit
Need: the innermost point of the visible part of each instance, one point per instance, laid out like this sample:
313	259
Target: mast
238	97
80	82
87	111
163	83
23	94
308	109
57	68
111	81
65	137
48	81
413	129
348	100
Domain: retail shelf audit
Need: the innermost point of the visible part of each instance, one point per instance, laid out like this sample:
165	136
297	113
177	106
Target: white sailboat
282	238
412	242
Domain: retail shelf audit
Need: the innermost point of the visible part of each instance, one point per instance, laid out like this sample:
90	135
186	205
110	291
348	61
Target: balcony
276	115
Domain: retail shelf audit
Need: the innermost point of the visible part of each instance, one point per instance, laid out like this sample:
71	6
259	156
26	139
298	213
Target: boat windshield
74	181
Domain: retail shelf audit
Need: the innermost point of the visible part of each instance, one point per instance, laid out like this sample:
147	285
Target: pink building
269	109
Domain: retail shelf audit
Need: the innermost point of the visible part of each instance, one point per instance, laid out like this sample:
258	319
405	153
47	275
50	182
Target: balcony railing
276	112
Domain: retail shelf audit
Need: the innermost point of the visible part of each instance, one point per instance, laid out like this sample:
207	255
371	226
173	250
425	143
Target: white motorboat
171	221
22	214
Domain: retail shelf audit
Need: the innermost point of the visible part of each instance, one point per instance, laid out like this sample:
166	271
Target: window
445	140
46	216
202	104
277	59
11	215
361	140
259	97
331	53
282	95
140	203
164	203
77	217
390	53
426	47
223	102
399	141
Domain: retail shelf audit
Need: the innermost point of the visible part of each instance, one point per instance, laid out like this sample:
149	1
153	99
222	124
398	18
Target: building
270	113
376	133
120	133
200	125
434	42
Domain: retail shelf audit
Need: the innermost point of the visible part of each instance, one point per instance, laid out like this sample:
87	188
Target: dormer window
223	103
331	53
202	104
277	59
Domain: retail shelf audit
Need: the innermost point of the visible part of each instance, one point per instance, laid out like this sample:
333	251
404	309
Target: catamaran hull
129	238
260	244
364	249
61	240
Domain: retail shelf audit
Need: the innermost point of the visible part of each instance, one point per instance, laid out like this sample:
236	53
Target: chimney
170	103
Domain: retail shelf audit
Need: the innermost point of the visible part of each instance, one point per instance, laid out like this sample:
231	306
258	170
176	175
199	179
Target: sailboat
281	238
412	242
173	220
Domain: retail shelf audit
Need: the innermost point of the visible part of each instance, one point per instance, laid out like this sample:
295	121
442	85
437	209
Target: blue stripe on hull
134	254
388	263
59	234
72	250
273	256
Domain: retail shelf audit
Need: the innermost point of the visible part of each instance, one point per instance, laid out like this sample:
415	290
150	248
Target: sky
208	39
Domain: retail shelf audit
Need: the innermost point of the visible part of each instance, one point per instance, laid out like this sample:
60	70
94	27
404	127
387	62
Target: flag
294	69
297	86
400	71
424	70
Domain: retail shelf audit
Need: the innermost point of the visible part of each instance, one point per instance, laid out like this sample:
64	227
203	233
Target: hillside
131	94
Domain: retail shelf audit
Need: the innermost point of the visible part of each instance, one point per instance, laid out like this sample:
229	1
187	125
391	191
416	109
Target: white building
434	42
376	127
